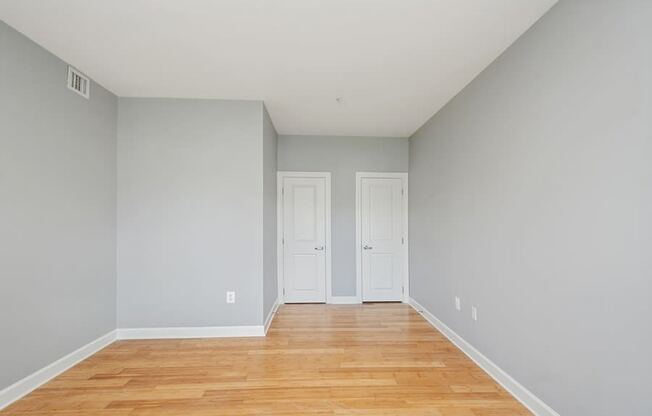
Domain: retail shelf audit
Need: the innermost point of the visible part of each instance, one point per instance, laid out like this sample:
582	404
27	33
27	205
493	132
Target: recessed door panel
306	273
380	212
304	207
381	271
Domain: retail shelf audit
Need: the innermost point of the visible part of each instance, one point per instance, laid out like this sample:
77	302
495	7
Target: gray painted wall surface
270	282
57	210
531	197
342	156
190	212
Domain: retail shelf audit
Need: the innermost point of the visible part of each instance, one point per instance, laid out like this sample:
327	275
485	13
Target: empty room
325	207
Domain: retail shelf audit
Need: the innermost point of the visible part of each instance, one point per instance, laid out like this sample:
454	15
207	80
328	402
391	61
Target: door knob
319	248
366	247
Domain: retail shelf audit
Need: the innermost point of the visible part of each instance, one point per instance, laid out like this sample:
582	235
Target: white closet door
304	234
381	229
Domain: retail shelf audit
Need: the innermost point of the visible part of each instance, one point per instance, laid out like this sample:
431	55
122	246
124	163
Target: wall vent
79	83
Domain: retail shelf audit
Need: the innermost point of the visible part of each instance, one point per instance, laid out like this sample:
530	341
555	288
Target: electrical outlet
474	313
458	303
230	297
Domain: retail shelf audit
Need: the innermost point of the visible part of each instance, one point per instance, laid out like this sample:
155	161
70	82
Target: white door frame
358	232
280	176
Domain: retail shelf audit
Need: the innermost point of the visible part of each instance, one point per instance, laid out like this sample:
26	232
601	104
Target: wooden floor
379	359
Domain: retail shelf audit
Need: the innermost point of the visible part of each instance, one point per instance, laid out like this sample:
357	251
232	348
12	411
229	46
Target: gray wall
270	283
343	156
190	212
57	210
531	197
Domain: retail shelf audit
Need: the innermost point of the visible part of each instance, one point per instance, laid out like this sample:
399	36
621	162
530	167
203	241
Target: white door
381	231
304	239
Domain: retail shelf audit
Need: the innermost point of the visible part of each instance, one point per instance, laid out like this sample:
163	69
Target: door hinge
402	191
403	290
284	291
402	240
282	191
282	240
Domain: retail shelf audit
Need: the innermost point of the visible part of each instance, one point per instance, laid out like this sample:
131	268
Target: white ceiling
394	62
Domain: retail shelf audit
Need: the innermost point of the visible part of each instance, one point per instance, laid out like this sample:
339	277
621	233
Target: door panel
380	212
304	207
381	271
381	230
304	235
307	267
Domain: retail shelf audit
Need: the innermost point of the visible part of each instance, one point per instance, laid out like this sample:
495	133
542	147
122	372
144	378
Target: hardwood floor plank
372	359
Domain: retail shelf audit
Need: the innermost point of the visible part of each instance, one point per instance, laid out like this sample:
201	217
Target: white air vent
79	82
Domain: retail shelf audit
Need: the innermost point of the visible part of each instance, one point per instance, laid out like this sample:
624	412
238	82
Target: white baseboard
344	300
270	315
192	332
522	394
34	380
